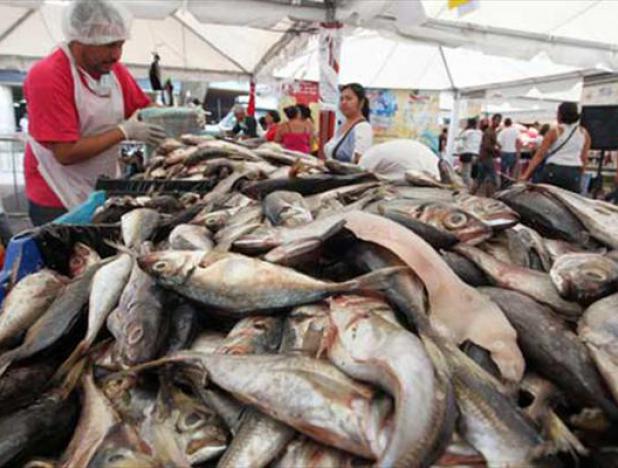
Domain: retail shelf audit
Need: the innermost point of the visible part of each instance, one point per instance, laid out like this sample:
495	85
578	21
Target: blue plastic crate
22	258
84	213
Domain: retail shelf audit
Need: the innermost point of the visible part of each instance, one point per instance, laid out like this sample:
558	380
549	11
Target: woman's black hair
544	129
472	123
567	112
305	112
275	115
291	112
360	93
262	122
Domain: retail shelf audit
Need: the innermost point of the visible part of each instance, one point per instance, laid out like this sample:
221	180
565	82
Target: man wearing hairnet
80	100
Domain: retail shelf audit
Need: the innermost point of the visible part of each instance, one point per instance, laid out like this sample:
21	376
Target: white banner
330	53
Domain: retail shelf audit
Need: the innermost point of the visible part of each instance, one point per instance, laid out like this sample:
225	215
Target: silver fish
584	277
138	225
190	237
216	279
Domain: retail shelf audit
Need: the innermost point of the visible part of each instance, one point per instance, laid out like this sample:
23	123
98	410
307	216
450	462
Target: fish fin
121	248
14	271
7	359
562	437
375	281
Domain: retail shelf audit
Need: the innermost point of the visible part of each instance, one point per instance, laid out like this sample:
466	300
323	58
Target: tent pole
453	127
330	54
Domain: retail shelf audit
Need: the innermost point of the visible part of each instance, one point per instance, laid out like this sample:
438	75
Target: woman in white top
355	136
470	144
564	150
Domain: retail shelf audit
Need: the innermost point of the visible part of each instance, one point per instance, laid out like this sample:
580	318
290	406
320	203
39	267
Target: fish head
122	447
304	329
466	227
81	258
295	215
492	212
171	267
252	335
584	277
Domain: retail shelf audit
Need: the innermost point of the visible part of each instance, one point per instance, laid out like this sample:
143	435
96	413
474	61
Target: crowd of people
560	158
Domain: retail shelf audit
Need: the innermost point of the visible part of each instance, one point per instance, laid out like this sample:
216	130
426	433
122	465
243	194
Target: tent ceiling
211	39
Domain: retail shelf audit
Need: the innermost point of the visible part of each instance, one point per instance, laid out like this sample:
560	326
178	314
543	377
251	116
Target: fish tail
378	280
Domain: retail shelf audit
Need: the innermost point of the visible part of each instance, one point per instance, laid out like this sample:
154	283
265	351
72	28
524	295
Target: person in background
355	136
442	139
565	151
510	148
79	100
486	173
295	134
271	119
537	174
246	125
23	123
393	158
305	114
470	145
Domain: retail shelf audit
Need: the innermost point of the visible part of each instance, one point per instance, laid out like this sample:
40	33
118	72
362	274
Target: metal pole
330	52
453	127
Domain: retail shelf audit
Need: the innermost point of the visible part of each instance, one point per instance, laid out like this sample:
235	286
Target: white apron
96	115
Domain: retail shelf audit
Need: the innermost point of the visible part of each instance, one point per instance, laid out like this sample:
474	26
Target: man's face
496	120
240	116
100	59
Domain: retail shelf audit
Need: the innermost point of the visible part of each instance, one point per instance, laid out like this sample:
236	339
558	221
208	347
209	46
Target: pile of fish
319	316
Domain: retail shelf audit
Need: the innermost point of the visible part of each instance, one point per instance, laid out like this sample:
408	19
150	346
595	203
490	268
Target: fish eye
116	457
191	421
594	274
160	266
455	220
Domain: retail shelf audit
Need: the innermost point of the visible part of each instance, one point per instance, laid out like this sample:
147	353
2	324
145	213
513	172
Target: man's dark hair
508	122
567	113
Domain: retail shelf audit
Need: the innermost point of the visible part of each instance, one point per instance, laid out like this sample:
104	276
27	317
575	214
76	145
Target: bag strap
342	139
561	145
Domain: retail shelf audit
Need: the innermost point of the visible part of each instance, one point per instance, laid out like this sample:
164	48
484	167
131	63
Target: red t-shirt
53	117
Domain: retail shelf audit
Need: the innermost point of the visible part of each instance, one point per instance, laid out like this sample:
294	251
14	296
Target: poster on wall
405	114
600	94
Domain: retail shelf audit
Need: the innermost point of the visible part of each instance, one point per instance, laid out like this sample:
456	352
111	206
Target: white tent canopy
227	39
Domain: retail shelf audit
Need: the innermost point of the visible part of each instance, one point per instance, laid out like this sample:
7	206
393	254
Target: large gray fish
335	409
190	237
598	329
600	218
553	349
535	284
584	277
138	323
446	218
368	344
28	301
107	286
138	225
288	209
216	279
544	213
58	319
492	212
45	423
527	248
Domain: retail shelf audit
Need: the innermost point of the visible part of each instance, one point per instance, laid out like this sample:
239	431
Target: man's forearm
87	147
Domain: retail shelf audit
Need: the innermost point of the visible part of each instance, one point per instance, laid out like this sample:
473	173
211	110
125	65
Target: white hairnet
96	22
